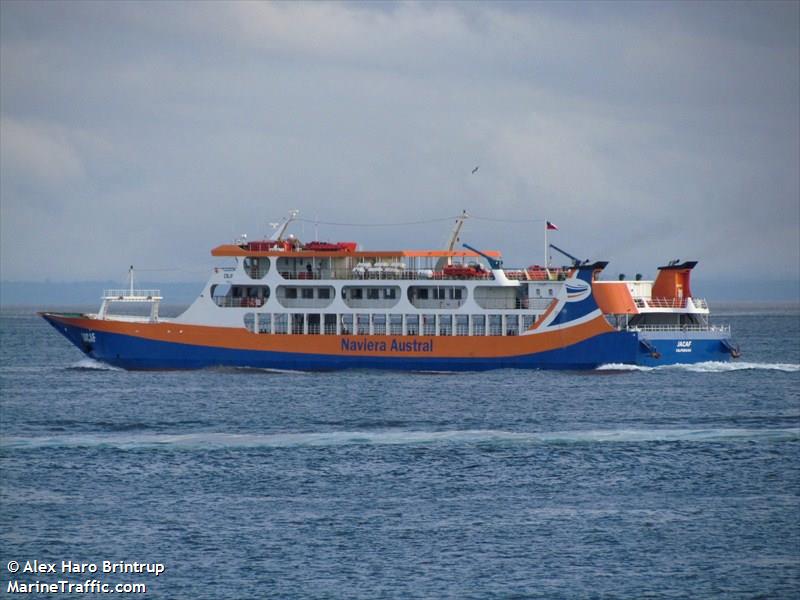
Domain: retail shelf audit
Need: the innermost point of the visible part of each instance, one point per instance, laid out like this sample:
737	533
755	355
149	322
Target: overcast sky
147	133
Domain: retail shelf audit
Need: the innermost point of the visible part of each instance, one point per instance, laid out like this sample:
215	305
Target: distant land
30	293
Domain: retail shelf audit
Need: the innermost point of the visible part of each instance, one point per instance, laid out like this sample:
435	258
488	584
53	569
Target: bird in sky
475	169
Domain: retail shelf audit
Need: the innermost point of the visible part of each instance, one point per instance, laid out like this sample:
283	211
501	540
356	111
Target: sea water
673	482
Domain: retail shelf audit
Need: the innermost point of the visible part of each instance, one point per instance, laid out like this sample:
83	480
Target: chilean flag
551	227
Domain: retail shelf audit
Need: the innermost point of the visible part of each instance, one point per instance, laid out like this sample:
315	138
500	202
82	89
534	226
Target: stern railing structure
130	296
642	302
678	328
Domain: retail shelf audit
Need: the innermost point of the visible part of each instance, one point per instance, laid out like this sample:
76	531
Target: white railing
666	302
126	293
255	273
642	302
679	328
514	303
228	302
420	274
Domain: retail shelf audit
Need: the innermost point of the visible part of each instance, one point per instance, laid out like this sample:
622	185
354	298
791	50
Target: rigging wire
423	222
200	269
507	220
439	220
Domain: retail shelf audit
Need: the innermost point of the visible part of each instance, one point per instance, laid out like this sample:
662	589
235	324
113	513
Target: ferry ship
284	304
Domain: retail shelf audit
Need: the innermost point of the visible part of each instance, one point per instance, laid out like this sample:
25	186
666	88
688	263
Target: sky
147	133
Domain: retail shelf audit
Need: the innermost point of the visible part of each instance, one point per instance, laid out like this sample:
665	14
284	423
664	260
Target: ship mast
454	234
280	228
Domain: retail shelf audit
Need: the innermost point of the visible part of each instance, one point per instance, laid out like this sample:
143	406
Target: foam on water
258	370
706	367
215	440
703	367
91	364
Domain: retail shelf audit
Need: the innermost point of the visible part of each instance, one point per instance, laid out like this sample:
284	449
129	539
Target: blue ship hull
617	347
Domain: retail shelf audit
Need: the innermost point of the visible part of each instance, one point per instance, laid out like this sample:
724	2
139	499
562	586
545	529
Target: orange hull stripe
444	346
541	319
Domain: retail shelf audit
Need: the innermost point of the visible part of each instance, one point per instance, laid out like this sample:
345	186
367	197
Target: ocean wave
215	440
706	367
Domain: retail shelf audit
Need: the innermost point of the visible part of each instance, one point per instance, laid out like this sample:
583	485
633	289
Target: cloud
639	128
38	151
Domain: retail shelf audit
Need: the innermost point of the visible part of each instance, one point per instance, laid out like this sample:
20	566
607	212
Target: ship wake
90	364
707	367
131	441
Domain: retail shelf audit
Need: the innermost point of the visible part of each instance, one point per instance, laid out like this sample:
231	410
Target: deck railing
123	294
669	302
415	274
228	302
347	274
679	328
